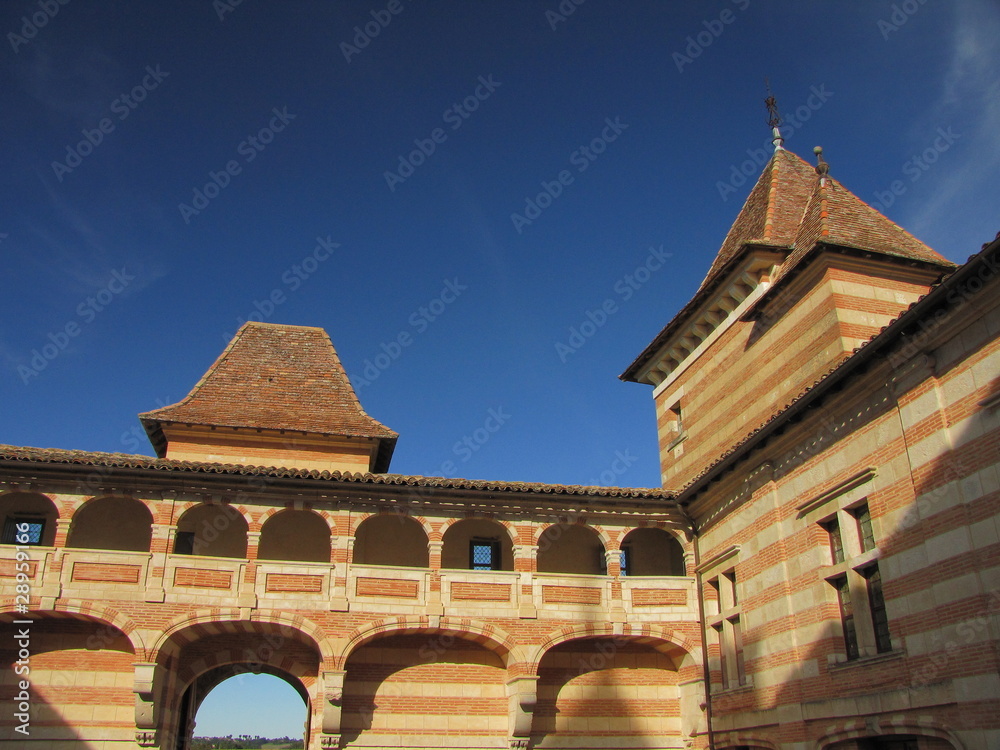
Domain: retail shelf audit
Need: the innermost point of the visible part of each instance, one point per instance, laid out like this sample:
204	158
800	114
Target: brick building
821	569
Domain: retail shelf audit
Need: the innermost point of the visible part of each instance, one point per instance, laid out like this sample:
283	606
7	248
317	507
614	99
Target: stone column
522	695
331	690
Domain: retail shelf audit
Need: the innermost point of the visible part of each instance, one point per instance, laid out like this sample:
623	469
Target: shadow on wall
879	655
80	683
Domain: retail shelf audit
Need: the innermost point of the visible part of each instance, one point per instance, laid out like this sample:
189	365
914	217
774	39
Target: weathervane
774	120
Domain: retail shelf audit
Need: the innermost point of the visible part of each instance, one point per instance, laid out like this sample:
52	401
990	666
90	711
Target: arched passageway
391	539
28	518
112	523
299	535
651	552
213	530
477	544
571	549
616	688
429	689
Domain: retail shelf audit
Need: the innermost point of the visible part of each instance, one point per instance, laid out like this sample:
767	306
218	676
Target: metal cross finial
774	120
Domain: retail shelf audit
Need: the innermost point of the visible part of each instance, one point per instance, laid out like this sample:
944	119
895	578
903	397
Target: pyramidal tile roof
773	210
793	210
274	377
790	207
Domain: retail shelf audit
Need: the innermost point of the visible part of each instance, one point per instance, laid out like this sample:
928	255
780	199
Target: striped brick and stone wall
914	437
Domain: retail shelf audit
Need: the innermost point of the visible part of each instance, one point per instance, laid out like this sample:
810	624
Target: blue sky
174	168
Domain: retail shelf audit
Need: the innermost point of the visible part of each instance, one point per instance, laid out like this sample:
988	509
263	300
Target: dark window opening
23	530
723	665
847	616
865	532
484	554
184	543
676	411
836	543
741	673
876	601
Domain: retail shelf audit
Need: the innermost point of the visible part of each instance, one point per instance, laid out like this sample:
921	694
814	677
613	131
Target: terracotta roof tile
790	209
55	456
276	377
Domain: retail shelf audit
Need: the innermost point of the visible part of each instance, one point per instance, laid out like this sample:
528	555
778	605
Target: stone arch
261	518
401	540
181	508
489	636
191	626
31	507
295	534
213	529
679	647
572	548
507	525
858	729
597	529
197	656
76	609
359	518
115	522
455	541
652	551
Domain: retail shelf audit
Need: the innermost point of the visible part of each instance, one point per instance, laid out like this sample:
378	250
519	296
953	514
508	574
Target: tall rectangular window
741	673
625	560
865	533
832	528
484	554
730	579
847	616
876	602
725	621
723	661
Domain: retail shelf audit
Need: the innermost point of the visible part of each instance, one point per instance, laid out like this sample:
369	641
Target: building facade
820	571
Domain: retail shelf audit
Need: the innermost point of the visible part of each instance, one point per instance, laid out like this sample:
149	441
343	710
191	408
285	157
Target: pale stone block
984	533
946	545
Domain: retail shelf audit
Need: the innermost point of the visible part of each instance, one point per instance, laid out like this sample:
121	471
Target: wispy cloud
969	100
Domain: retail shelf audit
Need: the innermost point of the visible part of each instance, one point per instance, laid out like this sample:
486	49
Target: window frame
12	521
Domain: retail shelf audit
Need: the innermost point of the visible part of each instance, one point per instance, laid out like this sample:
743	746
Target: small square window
484	554
23	530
